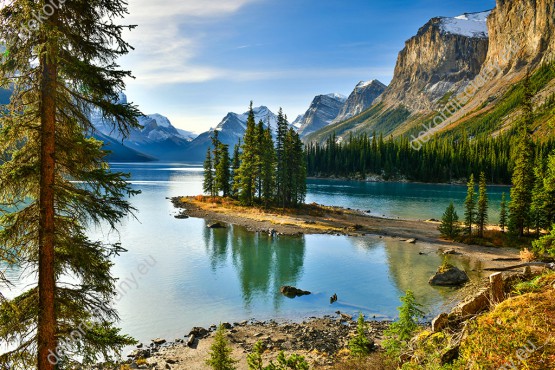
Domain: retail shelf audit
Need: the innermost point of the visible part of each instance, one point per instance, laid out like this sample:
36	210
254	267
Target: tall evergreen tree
246	175
538	214
208	185
259	149
449	227
549	191
503	216
523	173
268	169
470	206
482	210
281	160
54	181
222	177
235	164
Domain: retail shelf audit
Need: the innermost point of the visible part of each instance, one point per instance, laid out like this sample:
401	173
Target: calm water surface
178	273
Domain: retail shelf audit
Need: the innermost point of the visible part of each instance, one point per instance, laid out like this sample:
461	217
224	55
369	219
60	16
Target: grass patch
523	330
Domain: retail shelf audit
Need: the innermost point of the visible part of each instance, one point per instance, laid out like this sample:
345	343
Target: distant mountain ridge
157	138
360	99
322	111
230	130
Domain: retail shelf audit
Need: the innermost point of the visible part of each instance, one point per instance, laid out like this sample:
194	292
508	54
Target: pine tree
359	345
246	175
220	352
281	160
268	159
208	185
222	175
482	211
235	164
259	148
549	191
54	180
538	212
401	331
449	227
503	217
470	206
523	175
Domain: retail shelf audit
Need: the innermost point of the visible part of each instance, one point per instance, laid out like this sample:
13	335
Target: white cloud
162	53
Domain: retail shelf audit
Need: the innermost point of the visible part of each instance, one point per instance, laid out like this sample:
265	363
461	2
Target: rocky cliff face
444	56
360	99
323	110
522	33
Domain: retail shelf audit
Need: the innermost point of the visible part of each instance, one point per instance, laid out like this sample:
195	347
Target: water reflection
262	263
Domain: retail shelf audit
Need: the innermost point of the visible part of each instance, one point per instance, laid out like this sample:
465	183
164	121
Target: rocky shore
321	340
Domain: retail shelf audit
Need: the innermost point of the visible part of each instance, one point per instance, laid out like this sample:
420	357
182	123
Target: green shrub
400	332
293	362
360	345
220	352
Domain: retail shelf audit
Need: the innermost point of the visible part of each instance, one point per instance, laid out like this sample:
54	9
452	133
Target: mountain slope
120	152
322	111
442	58
231	129
360	99
156	138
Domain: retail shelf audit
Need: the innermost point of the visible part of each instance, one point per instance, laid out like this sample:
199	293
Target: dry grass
527	256
376	361
523	330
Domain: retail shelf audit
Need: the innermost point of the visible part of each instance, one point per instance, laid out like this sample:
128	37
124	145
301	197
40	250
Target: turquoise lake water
178	273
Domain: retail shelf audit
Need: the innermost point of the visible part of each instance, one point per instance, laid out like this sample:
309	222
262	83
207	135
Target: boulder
182	215
449	277
198	332
440	322
292	292
411	241
158	341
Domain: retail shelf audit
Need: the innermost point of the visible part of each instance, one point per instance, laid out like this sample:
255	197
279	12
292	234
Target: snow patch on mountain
468	24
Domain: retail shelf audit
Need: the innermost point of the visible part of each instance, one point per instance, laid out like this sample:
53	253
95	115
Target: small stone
158	341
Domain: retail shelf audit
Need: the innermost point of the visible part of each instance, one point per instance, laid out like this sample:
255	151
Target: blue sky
197	60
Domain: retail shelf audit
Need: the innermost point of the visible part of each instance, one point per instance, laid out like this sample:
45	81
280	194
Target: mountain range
464	76
464	72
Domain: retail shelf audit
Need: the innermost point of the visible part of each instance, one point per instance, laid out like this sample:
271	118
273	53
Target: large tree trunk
47	284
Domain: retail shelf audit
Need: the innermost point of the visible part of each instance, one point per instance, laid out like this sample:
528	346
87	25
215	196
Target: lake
178	273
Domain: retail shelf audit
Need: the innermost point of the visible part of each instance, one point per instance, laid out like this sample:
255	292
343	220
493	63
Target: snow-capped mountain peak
337	96
363	84
468	24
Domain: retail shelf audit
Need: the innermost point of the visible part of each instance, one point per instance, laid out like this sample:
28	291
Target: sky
195	61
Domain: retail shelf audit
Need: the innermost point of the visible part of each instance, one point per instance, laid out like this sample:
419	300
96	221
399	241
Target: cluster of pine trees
260	171
440	160
532	204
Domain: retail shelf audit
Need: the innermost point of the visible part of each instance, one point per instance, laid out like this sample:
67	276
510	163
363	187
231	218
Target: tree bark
47	284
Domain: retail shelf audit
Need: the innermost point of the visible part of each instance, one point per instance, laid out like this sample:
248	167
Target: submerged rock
292	292
451	276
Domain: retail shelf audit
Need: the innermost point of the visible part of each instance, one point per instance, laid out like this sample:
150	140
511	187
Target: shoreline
321	340
318	219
